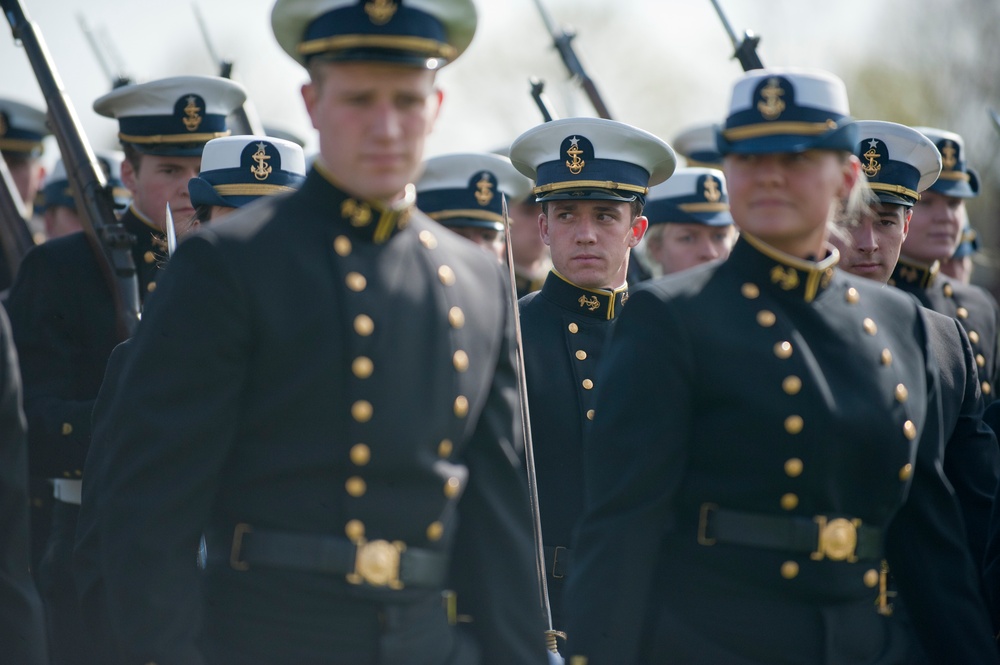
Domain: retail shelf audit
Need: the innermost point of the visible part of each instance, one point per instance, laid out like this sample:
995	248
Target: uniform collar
913	274
784	273
147	235
369	220
602	304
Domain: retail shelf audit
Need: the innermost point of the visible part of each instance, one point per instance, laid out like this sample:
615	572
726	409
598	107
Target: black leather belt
558	560
377	563
822	537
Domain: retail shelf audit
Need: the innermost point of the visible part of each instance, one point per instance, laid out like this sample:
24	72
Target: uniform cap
957	178
698	146
591	158
22	128
465	189
694	195
420	33
787	110
898	161
58	192
236	170
173	116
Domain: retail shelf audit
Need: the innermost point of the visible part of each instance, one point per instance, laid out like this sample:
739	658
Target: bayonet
745	50
171	232
563	41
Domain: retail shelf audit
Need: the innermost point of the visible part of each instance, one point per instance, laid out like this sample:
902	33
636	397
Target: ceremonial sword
529	452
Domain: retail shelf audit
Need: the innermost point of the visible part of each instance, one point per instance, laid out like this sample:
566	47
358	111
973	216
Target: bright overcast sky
660	64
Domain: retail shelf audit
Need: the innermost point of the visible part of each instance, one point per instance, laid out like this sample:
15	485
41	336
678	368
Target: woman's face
787	199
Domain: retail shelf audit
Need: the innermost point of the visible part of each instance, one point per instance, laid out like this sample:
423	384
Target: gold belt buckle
377	563
838	539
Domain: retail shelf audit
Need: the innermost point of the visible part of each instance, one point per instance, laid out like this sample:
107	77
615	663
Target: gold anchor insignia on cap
872	168
359	214
484	190
712	191
262	170
592	304
576	164
786	279
380	11
192	114
948	160
772	105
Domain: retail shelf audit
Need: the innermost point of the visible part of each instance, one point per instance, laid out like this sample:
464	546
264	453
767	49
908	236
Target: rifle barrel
109	240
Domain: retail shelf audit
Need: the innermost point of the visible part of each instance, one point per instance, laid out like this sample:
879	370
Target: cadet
591	177
235	171
742	516
63	313
238	170
22	626
462	192
22	128
903	163
934	234
689	221
58	204
333	403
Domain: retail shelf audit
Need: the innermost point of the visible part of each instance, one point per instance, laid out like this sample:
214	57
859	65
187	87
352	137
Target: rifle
110	242
563	41
542	102
15	236
244	119
117	74
746	50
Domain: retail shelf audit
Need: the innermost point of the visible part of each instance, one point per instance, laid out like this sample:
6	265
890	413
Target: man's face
28	174
489	239
874	242
590	240
683	246
935	229
373	119
158	181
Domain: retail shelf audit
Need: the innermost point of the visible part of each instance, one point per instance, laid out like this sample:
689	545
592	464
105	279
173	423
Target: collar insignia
359	214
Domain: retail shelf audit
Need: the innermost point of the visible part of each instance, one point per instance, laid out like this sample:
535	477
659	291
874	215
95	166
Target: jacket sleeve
493	567
170	427
21	629
44	321
947	608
